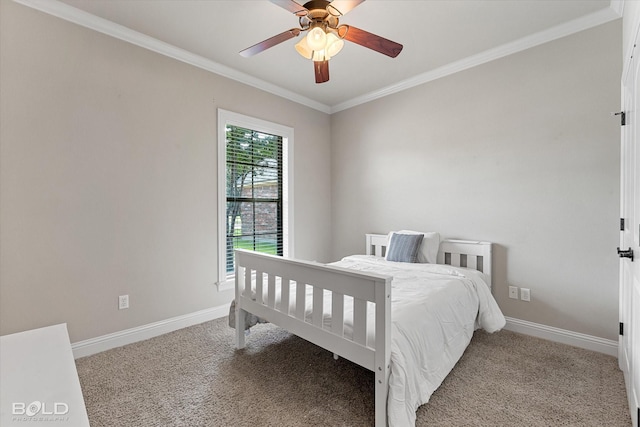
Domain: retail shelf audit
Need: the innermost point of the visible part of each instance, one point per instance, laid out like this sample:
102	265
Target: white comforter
435	309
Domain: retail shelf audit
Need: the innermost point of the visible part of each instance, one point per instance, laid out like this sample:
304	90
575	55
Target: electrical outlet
123	302
525	294
513	292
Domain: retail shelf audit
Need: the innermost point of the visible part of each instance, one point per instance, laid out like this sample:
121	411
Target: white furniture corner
39	382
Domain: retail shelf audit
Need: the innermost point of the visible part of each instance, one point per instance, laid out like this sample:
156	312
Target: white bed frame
257	273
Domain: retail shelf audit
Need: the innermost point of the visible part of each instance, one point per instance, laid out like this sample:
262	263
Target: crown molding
85	19
617	6
588	21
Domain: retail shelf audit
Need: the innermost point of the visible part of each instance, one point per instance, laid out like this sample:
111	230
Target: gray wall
521	151
108	178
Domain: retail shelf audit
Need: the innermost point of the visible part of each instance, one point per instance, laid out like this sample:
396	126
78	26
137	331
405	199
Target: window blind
254	176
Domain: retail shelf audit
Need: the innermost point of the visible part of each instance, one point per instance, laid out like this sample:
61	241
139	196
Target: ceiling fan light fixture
316	38
325	37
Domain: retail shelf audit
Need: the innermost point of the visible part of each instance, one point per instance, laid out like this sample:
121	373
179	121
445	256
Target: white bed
407	322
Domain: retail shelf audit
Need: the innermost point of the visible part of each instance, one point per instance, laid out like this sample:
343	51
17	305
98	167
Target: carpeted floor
194	377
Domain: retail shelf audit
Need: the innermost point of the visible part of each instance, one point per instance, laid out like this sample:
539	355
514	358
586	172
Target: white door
629	349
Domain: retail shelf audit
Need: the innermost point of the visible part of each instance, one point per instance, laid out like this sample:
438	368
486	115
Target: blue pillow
404	247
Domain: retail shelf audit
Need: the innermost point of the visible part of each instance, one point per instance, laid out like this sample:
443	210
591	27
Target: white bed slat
285	292
472	262
360	321
318	303
239	279
259	289
455	260
337	313
301	300
271	291
247	283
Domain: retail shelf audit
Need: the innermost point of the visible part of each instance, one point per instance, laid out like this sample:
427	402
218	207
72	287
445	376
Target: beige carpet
194	377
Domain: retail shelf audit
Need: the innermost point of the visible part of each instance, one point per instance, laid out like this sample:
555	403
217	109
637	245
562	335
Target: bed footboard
265	283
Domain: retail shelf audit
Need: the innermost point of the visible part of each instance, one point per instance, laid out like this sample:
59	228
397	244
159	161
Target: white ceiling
439	37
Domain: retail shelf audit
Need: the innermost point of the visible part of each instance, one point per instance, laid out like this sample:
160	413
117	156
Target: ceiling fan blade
291	6
322	71
369	40
341	7
270	42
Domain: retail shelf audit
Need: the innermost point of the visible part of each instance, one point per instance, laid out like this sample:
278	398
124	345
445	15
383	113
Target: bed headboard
459	253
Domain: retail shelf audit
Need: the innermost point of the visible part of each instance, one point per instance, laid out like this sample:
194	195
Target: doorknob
626	254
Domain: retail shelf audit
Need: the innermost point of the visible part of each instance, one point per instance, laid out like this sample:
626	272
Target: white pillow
428	252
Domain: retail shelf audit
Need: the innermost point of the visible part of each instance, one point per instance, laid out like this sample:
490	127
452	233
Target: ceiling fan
325	37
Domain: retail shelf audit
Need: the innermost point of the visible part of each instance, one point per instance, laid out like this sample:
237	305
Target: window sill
228	284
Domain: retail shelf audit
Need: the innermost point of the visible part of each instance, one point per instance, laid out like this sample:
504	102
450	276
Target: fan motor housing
316	4
318	13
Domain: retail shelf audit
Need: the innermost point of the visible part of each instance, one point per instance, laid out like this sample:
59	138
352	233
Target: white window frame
226	281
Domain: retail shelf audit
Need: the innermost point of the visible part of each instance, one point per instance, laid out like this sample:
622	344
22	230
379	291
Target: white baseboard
129	336
563	336
140	333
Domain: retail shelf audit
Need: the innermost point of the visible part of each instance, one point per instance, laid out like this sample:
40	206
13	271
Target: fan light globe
303	49
334	44
316	39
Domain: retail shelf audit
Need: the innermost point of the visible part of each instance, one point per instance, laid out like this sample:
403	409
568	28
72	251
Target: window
254	189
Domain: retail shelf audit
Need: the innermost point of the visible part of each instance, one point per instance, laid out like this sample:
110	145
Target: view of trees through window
254	178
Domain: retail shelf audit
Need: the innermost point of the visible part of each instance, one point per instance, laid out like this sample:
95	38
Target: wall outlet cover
123	302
